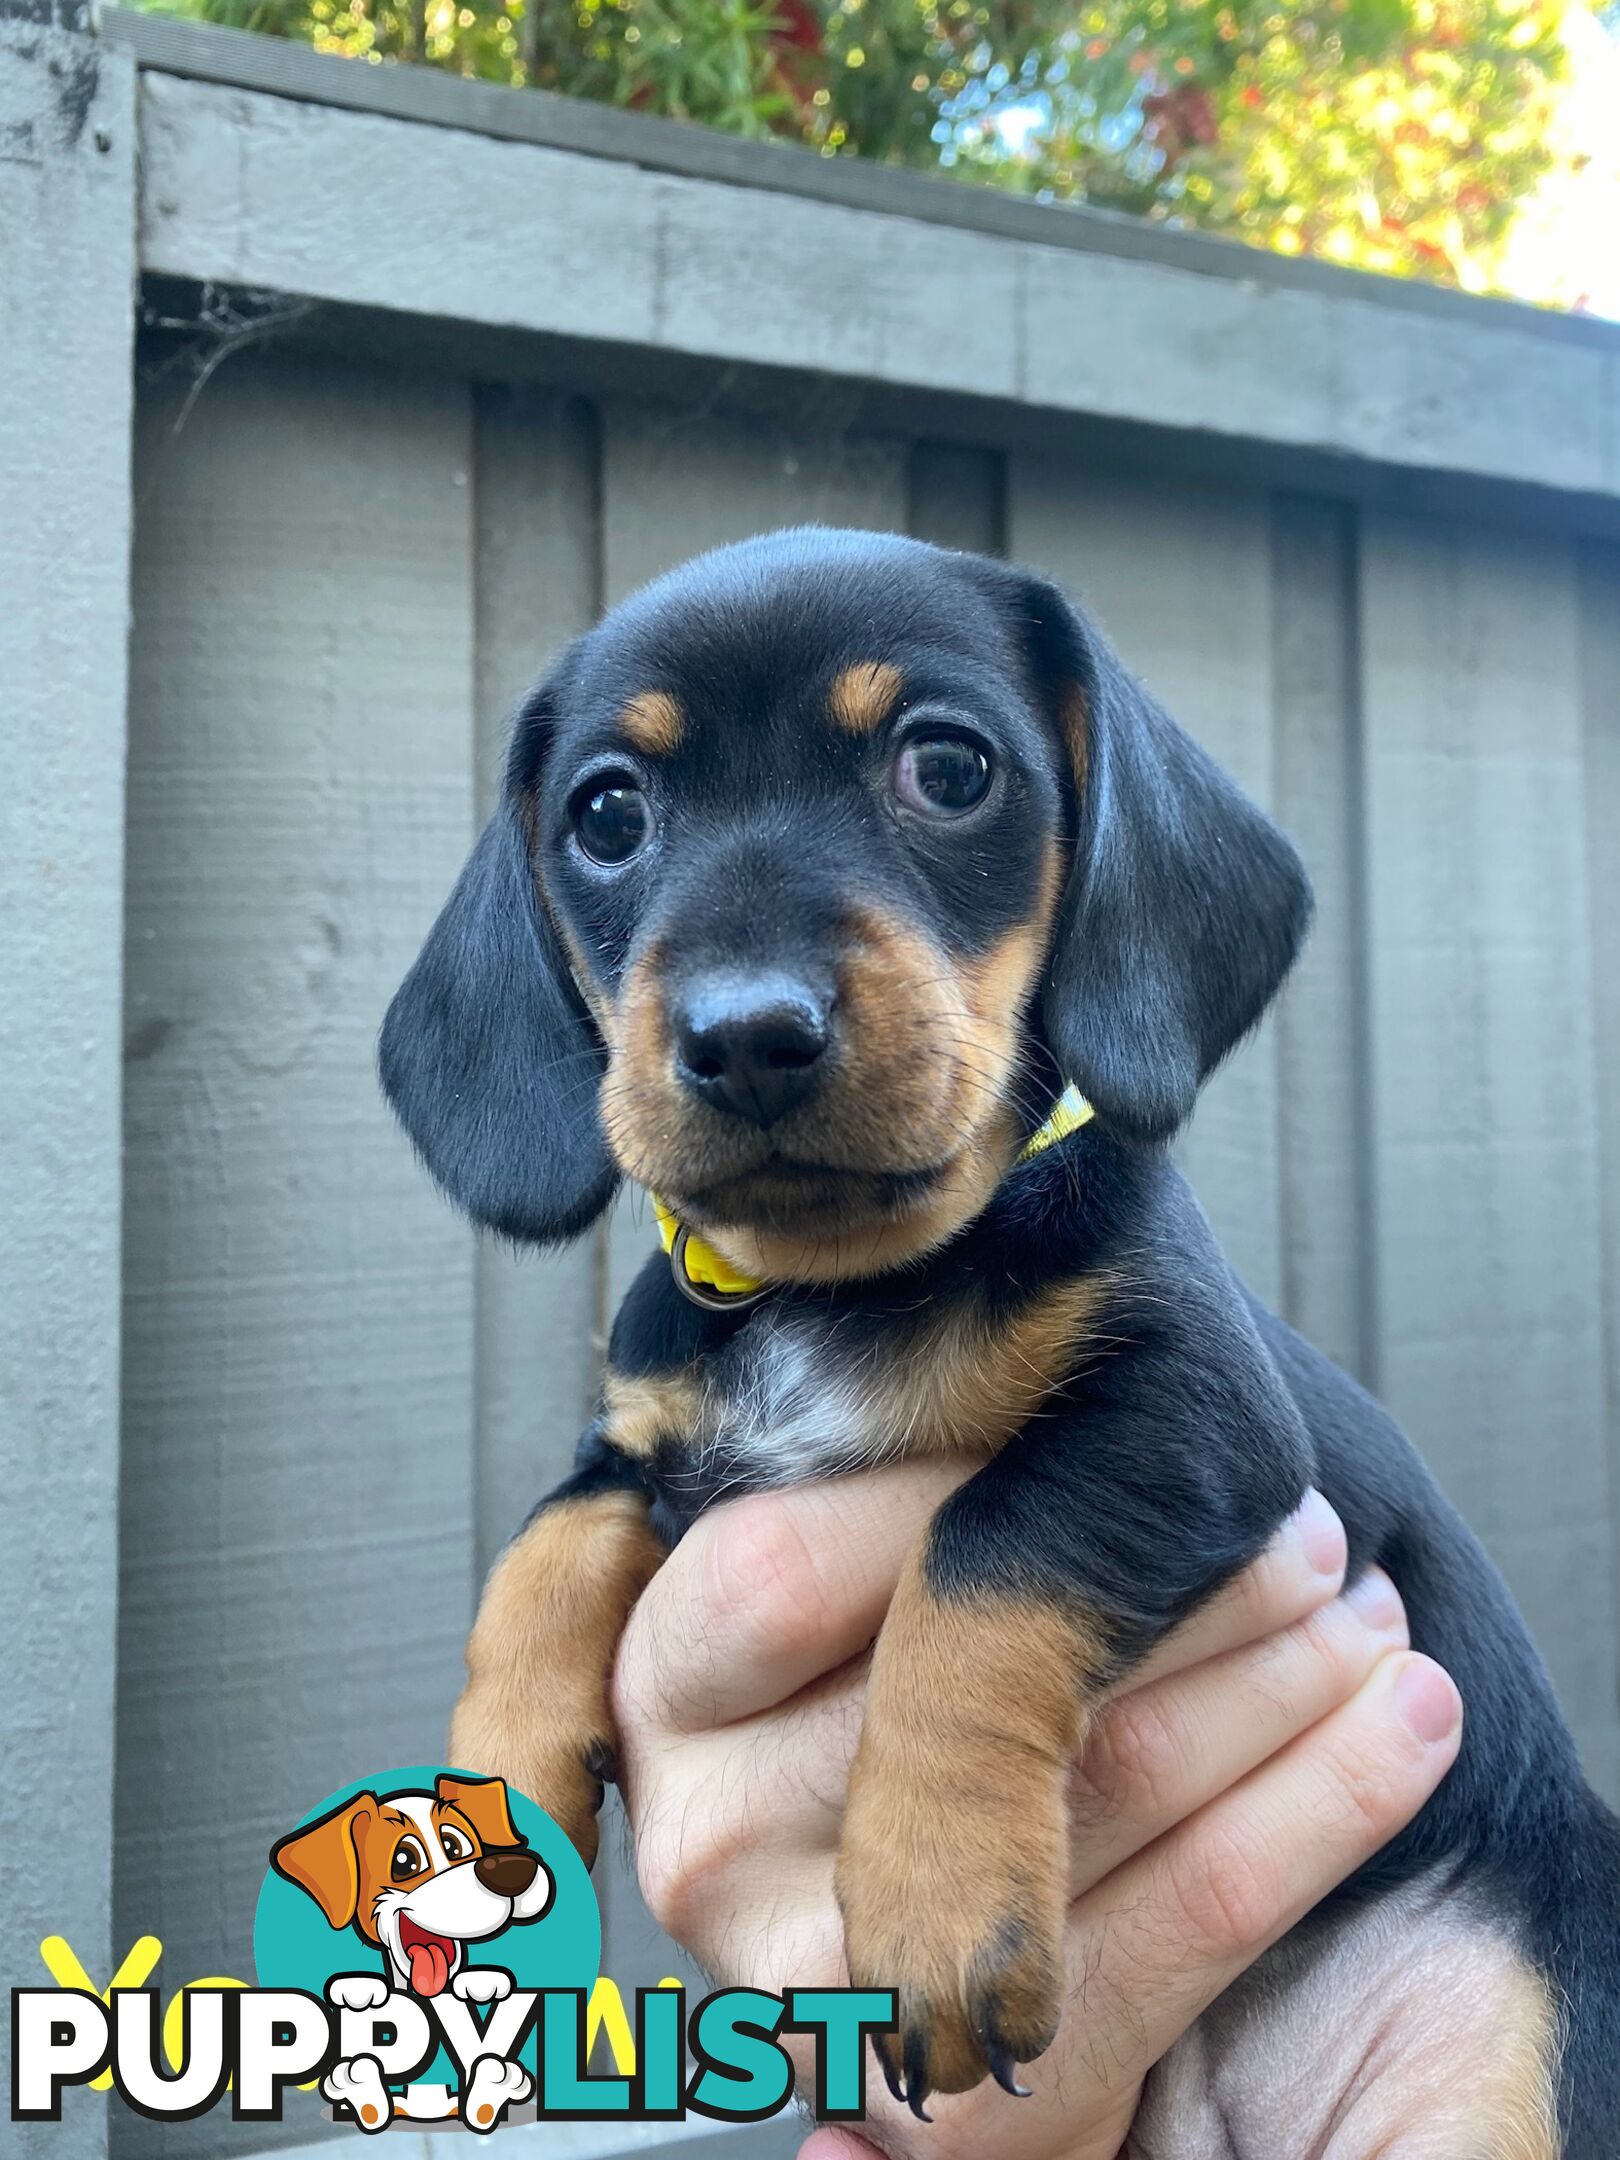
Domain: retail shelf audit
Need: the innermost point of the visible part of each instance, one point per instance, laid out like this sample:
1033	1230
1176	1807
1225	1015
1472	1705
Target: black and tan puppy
823	867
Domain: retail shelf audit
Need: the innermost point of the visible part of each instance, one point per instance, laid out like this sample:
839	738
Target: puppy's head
820	865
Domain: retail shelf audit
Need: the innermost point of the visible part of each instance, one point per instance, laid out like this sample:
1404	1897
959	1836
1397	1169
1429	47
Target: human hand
1265	1751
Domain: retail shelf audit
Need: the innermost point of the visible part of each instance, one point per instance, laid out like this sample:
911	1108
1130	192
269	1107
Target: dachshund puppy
852	898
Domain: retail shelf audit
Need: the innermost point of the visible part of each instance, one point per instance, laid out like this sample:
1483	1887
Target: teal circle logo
422	1876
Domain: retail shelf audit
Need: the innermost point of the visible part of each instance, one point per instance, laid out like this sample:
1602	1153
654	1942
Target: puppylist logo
427	1947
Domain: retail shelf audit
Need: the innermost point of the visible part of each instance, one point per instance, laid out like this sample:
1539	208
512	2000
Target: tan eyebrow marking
863	696
653	721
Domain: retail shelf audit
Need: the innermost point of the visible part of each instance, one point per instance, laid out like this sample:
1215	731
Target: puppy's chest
801	1391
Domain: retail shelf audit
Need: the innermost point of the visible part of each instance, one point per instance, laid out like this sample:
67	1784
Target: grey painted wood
439	99
298	1377
956	496
536	571
1324	1139
238	190
1484	1124
1181	581
1599	601
67	209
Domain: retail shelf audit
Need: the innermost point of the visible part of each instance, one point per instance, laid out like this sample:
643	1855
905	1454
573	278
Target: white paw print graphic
493	2087
482	1984
359	2085
357	1991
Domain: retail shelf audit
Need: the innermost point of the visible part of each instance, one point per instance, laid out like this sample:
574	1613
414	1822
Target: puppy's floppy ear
487	1054
323	1858
1185	906
484	1803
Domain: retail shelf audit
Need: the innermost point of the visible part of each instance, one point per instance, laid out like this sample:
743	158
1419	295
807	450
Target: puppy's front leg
536	1706
953	1867
1130	1499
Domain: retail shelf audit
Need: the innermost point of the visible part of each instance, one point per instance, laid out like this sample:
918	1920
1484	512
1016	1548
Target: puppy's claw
1002	2068
891	2076
916	2065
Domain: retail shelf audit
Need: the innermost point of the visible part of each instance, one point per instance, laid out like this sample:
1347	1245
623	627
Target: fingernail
1429	1705
1377	1603
1319	1534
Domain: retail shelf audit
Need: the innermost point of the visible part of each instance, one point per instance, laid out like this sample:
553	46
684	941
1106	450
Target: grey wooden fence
396	381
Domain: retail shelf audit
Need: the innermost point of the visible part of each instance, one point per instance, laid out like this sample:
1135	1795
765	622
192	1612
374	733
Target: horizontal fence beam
436	99
899	286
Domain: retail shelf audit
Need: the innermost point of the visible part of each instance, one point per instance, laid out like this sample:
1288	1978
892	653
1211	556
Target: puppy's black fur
1186	1421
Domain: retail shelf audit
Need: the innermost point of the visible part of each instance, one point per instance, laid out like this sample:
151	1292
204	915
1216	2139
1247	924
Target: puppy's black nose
752	1044
508	1874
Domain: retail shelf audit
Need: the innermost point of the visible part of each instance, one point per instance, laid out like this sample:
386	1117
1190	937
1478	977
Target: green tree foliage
1394	134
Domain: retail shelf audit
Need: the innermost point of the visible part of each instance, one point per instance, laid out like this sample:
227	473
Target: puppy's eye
942	774
409	1860
455	1845
612	821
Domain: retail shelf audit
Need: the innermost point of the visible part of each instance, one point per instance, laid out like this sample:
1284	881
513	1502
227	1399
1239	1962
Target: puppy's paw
952	1892
558	1768
493	2087
357	1991
358	2085
482	1984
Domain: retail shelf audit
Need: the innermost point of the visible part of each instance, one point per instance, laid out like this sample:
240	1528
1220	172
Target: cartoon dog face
420	1874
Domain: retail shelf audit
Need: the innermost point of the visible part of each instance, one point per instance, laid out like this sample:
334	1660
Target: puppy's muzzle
508	1874
754	1046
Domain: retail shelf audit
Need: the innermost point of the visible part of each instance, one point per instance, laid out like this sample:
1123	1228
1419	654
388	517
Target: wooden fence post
67	210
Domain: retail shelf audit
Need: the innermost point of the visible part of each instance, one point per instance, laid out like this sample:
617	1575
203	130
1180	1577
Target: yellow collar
708	1278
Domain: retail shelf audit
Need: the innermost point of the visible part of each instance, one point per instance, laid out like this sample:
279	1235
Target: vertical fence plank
674	483
1488	1263
1180	578
1599	595
298	1312
1322	1018
957	496
67	210
536	587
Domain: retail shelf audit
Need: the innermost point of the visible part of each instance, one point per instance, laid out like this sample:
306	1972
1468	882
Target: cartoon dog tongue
430	1963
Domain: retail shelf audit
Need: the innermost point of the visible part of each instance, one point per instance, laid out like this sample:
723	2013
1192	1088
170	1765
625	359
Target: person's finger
1160	1938
1157	1755
782	1776
765	1593
1299	1571
780	1780
837	2144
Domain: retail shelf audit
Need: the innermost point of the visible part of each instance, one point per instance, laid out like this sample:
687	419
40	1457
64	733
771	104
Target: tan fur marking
953	1869
653	722
862	697
1524	2074
1074	718
649	1408
541	1654
969	1385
